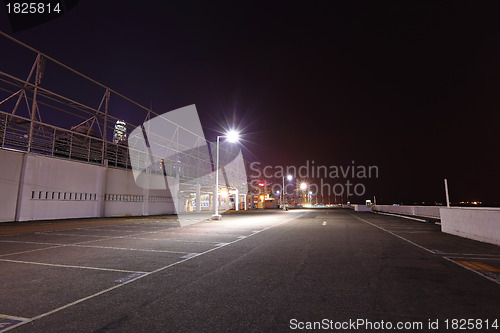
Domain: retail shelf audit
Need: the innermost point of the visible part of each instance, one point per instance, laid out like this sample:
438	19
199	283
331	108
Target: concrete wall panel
11	164
41	187
482	224
424	211
55	188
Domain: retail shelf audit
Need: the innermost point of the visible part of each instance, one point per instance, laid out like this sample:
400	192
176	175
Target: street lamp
231	136
289	177
303	187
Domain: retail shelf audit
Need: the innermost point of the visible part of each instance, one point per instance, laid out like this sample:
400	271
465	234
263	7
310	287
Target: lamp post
303	187
231	136
289	177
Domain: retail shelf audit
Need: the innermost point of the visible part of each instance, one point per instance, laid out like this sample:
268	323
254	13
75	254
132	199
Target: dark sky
410	87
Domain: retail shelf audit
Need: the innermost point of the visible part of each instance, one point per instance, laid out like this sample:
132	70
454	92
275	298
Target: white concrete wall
55	189
482	224
124	197
424	211
362	208
10	171
34	187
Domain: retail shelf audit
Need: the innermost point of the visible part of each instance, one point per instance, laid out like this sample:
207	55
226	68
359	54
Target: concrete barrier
423	211
9	183
482	224
362	208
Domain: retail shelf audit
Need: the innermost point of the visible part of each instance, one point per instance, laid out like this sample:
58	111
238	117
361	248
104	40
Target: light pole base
216	217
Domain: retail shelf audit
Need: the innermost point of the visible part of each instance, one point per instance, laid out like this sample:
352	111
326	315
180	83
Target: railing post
105	130
4	130
54	141
70	144
38	78
88	152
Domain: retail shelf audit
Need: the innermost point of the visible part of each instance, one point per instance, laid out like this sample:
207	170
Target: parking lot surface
251	271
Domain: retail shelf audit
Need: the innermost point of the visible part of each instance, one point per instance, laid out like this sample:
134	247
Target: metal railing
24	101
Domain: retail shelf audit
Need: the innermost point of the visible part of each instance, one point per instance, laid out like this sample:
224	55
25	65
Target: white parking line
158	270
28	242
27	251
68	266
127	249
472	270
392	233
56	245
9	322
76	235
443	255
173	240
403	216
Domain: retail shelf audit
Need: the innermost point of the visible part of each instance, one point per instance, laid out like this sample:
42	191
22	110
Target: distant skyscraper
120	132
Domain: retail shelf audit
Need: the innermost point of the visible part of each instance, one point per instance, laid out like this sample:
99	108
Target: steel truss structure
23	102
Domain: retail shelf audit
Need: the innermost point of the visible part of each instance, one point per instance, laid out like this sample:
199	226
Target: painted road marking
65	266
130	277
126	249
79	244
241	237
403	216
488	274
173	240
149	273
28	242
27	251
474	258
487	271
392	233
76	235
189	255
478	266
9	322
221	244
324	222
56	245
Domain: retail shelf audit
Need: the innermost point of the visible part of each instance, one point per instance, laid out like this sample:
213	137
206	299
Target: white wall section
40	187
424	211
482	224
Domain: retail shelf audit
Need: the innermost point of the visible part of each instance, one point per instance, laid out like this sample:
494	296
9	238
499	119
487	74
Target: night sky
410	87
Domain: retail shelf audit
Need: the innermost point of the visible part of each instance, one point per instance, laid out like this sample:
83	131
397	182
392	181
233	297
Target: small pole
217	182
283	195
446	190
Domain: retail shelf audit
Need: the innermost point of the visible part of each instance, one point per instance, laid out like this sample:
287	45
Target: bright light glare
289	177
277	192
303	186
233	136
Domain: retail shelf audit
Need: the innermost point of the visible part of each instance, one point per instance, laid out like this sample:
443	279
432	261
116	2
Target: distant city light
289	177
120	132
303	186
